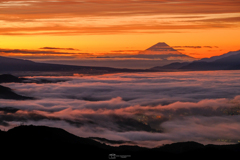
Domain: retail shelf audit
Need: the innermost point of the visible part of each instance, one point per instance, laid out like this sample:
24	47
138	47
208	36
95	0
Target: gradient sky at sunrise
83	28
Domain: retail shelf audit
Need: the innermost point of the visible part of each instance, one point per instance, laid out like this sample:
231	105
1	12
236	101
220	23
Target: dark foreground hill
46	142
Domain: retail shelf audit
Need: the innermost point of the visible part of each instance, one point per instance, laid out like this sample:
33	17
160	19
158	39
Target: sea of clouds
148	109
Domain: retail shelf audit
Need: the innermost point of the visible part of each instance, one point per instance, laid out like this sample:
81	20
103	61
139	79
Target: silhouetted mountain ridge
8	65
7	78
7	93
175	65
214	58
47	134
228	61
48	141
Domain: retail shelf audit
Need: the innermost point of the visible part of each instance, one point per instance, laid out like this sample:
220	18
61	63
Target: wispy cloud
195	47
70	17
57	48
46	52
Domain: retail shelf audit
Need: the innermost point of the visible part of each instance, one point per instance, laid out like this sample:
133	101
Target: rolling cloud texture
149	109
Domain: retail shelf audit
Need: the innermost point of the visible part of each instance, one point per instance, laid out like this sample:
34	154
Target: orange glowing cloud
102	26
107	17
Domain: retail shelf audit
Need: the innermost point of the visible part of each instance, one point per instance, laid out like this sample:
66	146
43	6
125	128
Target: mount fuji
162	47
159	54
166	52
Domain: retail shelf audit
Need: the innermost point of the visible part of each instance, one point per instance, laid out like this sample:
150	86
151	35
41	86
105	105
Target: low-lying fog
149	109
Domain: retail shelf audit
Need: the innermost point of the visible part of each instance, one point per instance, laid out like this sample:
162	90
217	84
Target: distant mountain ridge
10	65
176	65
228	61
14	64
214	58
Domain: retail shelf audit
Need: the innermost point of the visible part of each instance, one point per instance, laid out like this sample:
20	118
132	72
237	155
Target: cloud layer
149	109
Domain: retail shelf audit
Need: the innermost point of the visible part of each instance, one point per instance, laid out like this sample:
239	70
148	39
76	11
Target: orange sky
199	28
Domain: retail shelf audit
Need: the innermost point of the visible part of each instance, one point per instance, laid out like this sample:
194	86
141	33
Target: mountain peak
161	46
